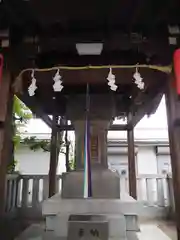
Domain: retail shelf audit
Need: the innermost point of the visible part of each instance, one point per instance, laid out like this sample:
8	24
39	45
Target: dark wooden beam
6	105
119	57
149	105
131	162
36	109
53	158
19	15
173	113
62	49
1	124
45	118
99	33
118	127
113	127
50	35
4	91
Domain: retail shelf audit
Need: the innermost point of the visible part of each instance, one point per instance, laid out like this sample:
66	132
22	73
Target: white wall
30	162
146	160
164	164
119	163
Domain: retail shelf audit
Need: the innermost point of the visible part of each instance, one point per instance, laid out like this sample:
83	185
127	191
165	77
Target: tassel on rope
57	86
111	80
32	88
138	79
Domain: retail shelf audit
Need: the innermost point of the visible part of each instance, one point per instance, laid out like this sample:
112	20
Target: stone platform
121	213
37	232
147	231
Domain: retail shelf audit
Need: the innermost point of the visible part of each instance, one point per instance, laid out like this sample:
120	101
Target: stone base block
132	223
116	226
50	222
72	184
126	205
88	227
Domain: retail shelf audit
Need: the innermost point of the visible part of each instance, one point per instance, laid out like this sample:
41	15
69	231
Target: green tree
21	116
64	146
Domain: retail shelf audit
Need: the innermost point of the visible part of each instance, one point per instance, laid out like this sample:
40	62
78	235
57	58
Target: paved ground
10	228
157	230
160	230
168	228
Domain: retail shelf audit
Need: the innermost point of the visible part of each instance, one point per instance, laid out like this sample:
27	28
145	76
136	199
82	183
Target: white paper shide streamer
111	81
57	86
32	88
138	79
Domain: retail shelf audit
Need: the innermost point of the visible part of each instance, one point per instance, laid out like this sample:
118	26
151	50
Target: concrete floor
11	227
160	230
168	228
157	230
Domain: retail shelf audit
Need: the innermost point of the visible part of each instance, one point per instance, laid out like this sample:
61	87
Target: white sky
157	120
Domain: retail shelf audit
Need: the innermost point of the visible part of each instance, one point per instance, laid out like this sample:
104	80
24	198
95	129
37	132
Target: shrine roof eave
74	80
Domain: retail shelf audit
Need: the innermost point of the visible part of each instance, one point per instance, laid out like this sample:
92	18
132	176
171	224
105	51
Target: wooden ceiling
44	34
132	31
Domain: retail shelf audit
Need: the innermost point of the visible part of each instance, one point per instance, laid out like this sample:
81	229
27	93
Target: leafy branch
36	144
20	117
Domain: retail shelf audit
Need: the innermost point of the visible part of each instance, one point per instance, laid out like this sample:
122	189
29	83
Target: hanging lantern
176	59
1	66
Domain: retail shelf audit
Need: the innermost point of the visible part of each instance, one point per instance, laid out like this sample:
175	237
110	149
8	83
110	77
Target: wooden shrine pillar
6	107
131	161
53	157
173	116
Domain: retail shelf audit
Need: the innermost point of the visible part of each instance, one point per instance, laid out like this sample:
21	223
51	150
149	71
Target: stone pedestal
98	143
100	114
99	117
72	184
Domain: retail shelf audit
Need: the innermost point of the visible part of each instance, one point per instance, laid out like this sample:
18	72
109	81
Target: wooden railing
25	193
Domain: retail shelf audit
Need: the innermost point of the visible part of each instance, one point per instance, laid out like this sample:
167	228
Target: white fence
25	193
152	190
